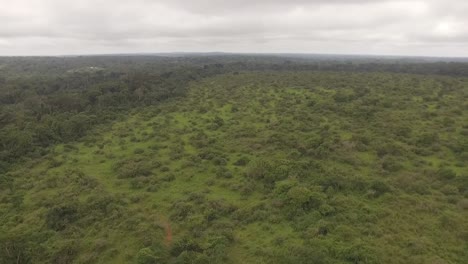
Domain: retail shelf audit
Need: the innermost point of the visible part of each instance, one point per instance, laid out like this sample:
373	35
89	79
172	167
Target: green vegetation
215	165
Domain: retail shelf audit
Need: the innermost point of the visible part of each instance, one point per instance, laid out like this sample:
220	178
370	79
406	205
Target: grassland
291	167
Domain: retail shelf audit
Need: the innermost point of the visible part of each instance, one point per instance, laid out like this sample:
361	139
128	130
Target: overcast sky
406	27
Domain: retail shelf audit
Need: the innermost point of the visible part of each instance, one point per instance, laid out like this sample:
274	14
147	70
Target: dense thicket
48	100
39	111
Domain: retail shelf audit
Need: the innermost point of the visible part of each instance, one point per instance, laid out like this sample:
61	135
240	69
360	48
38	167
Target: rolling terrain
257	166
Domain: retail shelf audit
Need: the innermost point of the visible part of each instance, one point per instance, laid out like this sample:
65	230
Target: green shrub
242	161
59	218
15	249
139	151
391	164
146	256
131	168
446	174
379	188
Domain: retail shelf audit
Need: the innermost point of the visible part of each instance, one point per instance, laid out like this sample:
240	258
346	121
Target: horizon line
237	53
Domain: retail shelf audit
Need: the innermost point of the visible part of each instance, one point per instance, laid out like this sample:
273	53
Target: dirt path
168	239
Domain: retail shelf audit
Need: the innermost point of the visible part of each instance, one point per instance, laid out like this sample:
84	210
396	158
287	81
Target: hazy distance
379	27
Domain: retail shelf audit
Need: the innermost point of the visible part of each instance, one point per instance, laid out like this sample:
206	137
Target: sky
377	27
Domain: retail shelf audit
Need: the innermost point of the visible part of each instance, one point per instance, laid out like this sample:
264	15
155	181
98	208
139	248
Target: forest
233	158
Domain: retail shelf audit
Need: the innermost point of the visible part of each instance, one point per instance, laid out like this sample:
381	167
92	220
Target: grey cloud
215	7
414	27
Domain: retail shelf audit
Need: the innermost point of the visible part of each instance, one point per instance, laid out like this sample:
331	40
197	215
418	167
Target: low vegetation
255	166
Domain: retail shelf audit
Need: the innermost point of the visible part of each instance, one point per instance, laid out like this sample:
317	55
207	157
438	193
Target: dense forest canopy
228	158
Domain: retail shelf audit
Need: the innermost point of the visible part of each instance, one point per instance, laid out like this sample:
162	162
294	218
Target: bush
180	211
190	257
358	253
185	245
302	197
427	139
463	204
146	256
391	164
139	151
131	168
59	218
224	173
242	161
218	161
66	252
326	210
294	254
446	174
379	188
15	249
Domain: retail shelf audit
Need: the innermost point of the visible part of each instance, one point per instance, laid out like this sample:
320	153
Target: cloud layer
405	27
